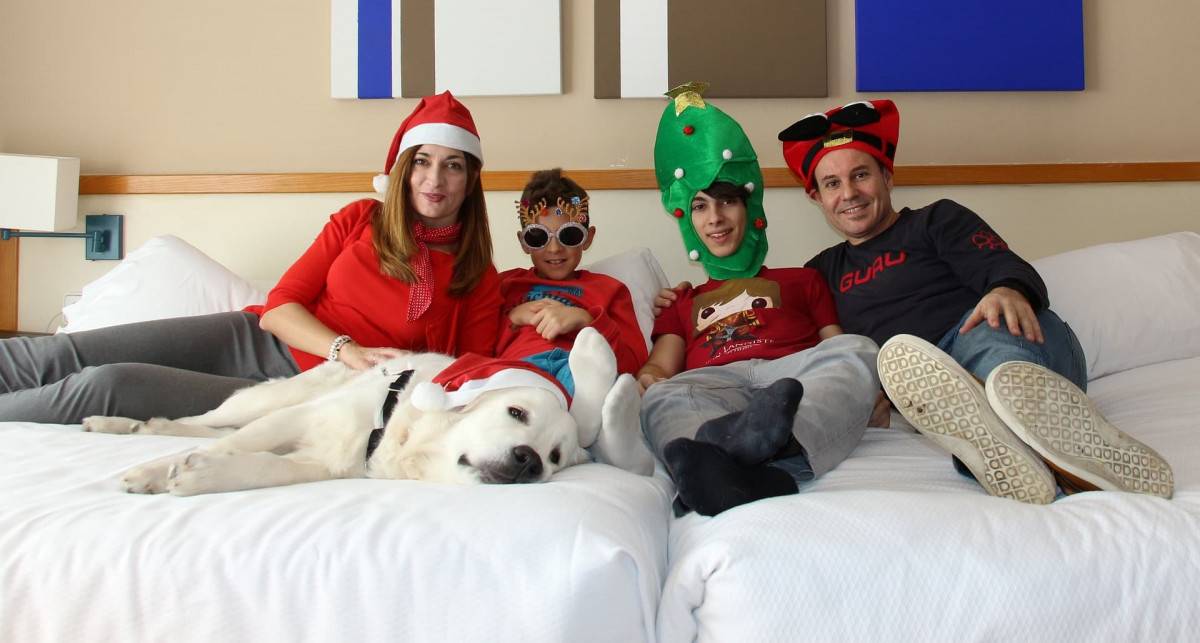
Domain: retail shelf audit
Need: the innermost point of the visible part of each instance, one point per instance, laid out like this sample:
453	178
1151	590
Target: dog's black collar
385	413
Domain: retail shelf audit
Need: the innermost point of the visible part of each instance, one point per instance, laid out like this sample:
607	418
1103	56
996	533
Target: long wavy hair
394	239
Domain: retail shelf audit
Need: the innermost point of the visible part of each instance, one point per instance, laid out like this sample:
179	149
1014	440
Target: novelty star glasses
569	235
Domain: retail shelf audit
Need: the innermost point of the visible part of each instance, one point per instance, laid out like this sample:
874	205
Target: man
949	302
723	403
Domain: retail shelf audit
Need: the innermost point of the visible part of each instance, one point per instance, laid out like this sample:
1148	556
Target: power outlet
71	298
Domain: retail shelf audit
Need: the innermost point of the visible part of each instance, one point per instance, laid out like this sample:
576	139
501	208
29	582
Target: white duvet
581	558
895	545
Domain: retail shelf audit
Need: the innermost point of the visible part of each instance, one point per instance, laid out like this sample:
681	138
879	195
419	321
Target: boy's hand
523	315
553	318
668	296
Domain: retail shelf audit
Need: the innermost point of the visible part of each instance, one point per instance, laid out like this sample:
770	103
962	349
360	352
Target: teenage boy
722	404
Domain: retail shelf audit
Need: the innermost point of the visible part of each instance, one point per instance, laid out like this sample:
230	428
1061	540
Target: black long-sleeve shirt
921	275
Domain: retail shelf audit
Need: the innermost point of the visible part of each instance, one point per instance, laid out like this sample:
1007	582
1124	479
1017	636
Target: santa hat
471	375
873	127
696	146
440	120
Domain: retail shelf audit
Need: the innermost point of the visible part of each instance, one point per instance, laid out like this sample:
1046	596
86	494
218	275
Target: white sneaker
1060	422
948	405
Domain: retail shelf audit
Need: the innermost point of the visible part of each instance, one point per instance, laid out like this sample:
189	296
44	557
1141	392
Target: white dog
323	424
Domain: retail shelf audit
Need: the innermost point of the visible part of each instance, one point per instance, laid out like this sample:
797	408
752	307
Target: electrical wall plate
107	242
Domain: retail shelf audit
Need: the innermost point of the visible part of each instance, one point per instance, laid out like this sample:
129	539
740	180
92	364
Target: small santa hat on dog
440	120
873	127
471	375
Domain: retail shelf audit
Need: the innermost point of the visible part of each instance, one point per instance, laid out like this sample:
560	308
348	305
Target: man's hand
881	415
668	296
1010	304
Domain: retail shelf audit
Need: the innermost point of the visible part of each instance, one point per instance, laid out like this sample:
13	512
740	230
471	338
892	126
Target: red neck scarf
421	293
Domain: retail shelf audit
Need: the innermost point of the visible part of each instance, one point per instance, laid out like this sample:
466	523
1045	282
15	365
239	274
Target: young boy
547	305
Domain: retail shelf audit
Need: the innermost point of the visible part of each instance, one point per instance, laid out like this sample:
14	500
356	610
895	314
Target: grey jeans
170	368
840	386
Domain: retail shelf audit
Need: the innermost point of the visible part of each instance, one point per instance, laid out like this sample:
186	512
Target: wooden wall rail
637	179
592	179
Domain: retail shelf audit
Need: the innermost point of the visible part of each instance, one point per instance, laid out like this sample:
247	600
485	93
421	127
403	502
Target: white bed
895	545
580	558
891	545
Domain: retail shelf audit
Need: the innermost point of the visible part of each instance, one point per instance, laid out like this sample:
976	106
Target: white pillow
1130	303
165	277
641	274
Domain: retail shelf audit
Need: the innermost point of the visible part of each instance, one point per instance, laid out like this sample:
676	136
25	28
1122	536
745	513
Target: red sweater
606	300
339	281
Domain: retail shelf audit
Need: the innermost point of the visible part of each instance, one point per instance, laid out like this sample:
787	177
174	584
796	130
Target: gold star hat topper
698	145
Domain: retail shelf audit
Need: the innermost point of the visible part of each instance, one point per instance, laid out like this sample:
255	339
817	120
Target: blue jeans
556	363
984	348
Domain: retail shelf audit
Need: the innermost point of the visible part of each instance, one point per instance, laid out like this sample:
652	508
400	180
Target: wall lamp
42	193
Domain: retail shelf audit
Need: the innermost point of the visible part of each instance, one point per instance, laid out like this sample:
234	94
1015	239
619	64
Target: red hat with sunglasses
873	127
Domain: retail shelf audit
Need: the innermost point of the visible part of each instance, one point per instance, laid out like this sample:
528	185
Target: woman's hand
362	358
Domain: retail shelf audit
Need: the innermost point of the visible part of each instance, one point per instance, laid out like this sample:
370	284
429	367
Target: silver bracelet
338	343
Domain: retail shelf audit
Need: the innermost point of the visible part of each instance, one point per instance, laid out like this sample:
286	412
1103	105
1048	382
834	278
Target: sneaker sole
1062	424
948	405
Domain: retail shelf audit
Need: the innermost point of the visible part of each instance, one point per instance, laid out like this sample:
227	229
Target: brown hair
393	235
552	185
723	189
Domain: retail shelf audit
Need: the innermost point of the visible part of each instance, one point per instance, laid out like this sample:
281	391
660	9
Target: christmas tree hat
698	145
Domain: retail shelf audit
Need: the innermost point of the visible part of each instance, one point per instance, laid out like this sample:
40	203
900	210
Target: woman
413	273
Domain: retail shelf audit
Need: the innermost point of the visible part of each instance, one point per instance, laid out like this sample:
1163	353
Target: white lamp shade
39	193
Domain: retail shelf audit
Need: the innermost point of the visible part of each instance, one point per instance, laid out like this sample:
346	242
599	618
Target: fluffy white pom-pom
428	396
380	183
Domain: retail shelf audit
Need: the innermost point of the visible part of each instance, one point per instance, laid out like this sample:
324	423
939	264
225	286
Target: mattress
580	558
895	545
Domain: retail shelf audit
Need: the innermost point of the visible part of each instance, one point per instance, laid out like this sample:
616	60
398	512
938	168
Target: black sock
753	435
710	480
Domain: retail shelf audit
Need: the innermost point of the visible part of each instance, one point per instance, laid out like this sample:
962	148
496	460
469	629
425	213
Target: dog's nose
528	462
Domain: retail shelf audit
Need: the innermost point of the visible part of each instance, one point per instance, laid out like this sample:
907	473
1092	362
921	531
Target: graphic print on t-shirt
727	314
561	293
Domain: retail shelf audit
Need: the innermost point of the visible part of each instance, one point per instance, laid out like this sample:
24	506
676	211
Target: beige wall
236	86
154	87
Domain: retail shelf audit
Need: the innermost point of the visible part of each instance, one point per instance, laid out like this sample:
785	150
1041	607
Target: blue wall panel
966	45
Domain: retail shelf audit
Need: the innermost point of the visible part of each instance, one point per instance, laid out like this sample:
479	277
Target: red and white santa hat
471	375
440	120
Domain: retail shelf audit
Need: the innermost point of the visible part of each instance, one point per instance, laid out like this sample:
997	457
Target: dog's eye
555	456
519	414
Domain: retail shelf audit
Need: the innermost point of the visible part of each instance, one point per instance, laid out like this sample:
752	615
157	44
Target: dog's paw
113	425
145	479
195	474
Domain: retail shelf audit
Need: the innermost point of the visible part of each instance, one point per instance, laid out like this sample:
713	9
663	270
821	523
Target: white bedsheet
895	545
580	558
